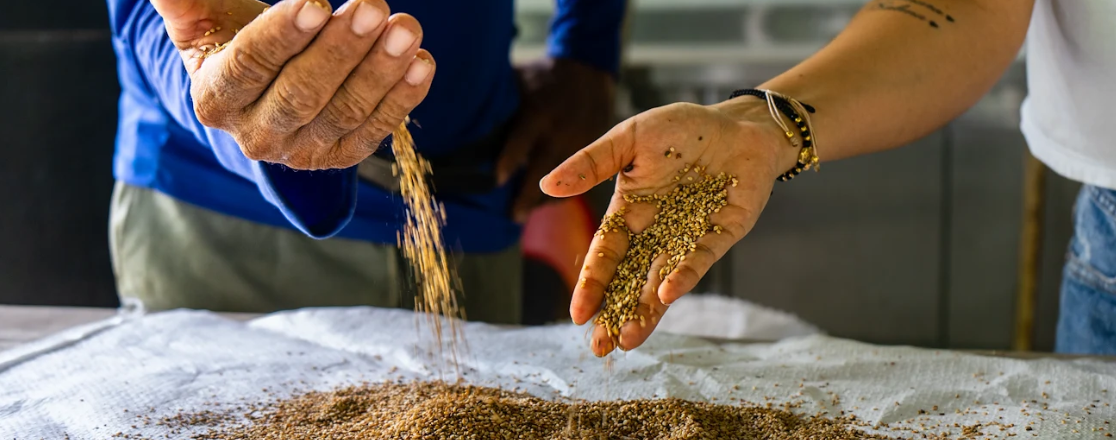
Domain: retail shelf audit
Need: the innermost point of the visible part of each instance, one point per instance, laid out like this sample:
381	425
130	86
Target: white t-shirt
1069	116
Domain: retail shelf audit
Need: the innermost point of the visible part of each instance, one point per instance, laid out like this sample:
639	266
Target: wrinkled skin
301	85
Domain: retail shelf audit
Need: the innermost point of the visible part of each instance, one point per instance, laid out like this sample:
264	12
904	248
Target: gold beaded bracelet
799	113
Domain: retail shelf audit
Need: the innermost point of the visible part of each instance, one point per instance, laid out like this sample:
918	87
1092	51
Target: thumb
591	165
174	9
189	20
182	18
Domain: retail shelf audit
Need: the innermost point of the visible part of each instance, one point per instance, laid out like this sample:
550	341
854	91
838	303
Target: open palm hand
646	154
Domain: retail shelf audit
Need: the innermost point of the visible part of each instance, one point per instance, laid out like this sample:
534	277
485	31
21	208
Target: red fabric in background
558	234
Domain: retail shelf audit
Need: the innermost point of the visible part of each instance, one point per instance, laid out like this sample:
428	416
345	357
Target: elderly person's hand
297	84
738	137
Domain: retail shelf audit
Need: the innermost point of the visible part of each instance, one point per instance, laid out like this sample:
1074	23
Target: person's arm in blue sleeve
588	31
318	203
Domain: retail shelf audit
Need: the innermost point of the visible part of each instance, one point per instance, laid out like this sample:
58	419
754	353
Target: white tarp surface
80	383
723	317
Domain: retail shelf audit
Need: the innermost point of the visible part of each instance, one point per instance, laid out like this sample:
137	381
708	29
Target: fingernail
311	16
399	40
366	19
607	347
419	70
542	184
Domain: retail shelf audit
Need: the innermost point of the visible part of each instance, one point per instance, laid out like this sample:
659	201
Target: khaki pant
170	254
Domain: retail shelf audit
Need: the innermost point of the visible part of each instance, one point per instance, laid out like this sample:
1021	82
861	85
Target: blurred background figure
251	181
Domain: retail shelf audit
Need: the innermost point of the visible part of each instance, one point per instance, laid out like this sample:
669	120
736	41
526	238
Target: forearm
892	77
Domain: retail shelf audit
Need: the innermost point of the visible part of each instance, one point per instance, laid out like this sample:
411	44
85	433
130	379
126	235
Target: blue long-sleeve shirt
161	145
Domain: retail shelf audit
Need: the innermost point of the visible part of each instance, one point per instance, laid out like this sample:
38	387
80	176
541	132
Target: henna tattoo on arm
919	9
932	8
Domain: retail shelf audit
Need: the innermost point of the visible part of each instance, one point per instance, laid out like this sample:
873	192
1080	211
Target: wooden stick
1030	250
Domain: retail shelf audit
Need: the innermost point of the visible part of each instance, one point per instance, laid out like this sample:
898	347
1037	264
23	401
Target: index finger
593	164
648	311
605	252
238	75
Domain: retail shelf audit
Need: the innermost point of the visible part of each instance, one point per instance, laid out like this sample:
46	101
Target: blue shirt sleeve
588	31
318	203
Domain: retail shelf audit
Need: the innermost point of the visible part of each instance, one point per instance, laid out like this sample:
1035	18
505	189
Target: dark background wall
58	93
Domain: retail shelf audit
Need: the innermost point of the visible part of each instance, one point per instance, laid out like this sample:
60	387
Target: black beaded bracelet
805	158
780	101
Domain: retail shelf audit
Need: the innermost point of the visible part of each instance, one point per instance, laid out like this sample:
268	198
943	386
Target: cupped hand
645	153
297	83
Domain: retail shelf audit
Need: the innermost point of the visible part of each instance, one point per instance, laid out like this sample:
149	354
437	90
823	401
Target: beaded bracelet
799	113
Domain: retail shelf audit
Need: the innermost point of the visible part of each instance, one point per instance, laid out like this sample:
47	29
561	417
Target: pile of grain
433	410
422	243
682	219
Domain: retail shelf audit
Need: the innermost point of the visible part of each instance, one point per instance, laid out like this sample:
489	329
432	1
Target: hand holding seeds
297	84
691	182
